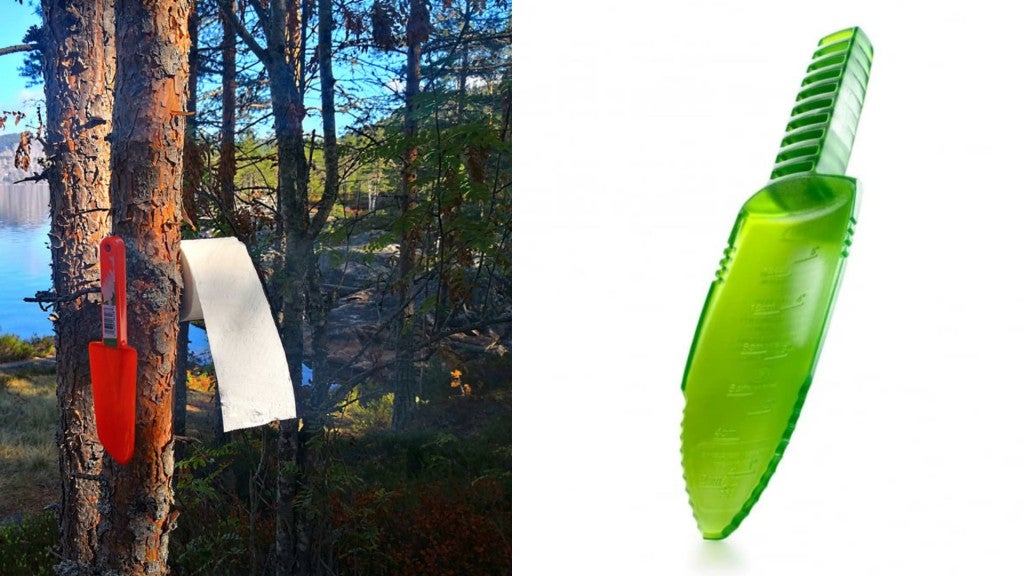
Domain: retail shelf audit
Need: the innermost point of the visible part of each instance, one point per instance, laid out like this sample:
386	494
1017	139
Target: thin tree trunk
226	171
78	72
290	282
418	27
317	302
181	382
293	37
317	309
189	188
282	58
326	60
292	181
193	157
146	162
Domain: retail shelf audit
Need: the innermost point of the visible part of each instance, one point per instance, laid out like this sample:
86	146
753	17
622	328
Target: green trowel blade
759	335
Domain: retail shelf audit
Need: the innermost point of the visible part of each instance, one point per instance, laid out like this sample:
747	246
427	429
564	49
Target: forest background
378	214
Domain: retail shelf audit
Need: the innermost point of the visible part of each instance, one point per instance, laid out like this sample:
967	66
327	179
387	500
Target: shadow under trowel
718	556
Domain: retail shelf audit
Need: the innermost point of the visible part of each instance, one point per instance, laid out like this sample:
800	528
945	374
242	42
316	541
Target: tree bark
180	417
292	14
78	72
417	30
326	60
282	57
317	304
147	163
190	186
226	171
193	158
292	181
282	63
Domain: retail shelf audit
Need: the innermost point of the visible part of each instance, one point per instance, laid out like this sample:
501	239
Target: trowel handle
114	288
823	123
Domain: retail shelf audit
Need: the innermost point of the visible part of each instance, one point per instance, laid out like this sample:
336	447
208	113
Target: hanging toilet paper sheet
222	288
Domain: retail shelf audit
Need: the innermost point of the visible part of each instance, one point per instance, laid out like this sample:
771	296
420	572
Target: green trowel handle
824	120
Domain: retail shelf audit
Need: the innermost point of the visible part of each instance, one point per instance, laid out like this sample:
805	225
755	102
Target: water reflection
24	258
24	205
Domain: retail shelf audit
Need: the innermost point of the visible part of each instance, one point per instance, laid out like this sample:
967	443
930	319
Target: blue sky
14	94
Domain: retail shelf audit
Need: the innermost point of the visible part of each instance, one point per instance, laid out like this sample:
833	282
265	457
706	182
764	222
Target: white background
640	129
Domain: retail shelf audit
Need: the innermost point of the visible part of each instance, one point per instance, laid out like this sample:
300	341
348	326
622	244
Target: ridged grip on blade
823	122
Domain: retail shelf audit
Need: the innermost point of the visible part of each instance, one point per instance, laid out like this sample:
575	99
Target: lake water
25	263
25	266
24	258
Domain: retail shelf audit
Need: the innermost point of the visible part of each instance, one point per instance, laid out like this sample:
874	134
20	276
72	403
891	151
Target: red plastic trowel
112	362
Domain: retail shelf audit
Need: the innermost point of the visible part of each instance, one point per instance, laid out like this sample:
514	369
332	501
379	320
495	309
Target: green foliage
44	346
25	545
360	414
214	529
425	503
13	349
221	548
484	373
31	68
381	504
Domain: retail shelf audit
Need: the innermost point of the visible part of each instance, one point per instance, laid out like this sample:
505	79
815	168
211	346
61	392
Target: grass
28	454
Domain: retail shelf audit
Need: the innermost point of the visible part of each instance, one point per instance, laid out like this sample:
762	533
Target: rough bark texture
226	171
146	163
78	69
417	29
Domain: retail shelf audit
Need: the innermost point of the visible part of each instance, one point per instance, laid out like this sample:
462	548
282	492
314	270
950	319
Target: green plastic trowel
758	339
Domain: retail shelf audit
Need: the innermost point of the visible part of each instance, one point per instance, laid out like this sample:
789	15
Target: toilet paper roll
221	288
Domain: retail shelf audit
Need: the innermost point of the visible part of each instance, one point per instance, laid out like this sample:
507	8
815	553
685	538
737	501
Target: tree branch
18	48
464	329
243	32
37	177
47	296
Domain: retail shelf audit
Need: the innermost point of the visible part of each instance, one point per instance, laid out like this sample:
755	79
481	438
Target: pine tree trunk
147	163
226	171
189	188
418	27
180	416
282	59
317	303
193	157
78	72
292	180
